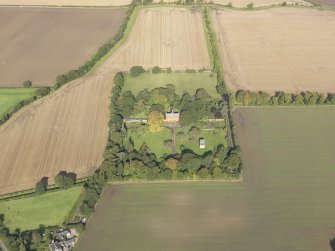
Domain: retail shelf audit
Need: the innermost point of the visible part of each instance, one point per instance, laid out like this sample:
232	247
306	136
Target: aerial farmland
167	125
257	58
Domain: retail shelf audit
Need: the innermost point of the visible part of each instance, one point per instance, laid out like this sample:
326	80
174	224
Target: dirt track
41	43
287	49
67	131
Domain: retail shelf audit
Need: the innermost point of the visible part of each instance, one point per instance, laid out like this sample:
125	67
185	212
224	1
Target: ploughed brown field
41	43
68	130
65	2
259	3
289	49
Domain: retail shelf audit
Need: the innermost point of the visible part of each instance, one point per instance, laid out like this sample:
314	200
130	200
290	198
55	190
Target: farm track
67	130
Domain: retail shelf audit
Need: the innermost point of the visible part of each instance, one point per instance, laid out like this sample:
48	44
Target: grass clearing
184	82
49	209
284	202
155	140
11	96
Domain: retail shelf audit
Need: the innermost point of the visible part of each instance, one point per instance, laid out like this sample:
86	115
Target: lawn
49	209
155	140
184	82
213	138
11	96
284	203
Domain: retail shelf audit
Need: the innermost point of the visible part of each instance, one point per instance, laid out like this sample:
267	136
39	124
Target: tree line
250	98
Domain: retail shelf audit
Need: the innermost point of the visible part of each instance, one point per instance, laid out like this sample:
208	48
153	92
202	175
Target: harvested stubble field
41	43
68	130
289	49
167	37
284	202
65	2
259	3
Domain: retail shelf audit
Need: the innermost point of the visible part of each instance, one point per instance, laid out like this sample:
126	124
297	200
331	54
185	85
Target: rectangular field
284	202
11	96
49	209
282	49
184	82
166	37
41	43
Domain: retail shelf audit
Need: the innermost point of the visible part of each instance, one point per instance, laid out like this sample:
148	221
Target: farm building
202	143
171	117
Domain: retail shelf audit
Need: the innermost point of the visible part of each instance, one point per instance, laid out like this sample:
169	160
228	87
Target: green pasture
9	97
183	81
48	209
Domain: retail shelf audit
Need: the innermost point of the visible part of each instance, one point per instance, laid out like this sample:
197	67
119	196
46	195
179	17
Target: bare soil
41	43
68	130
289	49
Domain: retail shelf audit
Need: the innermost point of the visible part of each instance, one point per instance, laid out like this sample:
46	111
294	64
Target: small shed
202	143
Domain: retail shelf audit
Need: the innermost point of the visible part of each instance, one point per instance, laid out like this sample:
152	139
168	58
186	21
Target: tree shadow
332	244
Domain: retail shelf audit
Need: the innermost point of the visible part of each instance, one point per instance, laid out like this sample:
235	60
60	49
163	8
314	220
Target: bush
250	5
136	71
156	70
43	91
230	5
27	83
169	70
64	180
40	187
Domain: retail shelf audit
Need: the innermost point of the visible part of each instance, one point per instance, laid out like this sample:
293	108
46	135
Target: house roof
202	141
64	232
55	246
172	115
70	241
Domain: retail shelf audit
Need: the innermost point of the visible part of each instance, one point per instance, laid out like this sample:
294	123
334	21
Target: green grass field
49	209
11	96
213	138
184	82
155	140
284	203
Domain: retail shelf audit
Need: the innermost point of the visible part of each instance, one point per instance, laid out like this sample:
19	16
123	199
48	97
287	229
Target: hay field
65	2
167	37
41	43
259	3
67	131
285	49
284	202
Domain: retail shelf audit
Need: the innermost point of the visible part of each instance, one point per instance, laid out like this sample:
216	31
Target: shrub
169	70
64	181
230	5
40	187
284	4
156	70
250	5
43	91
136	71
27	83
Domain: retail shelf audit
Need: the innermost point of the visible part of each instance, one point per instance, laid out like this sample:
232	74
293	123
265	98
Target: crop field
65	2
283	203
155	40
259	3
68	130
41	43
49	209
184	82
11	96
65	131
268	49
327	2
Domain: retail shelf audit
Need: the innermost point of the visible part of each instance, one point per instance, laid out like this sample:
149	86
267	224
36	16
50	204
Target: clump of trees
250	5
156	70
65	180
155	121
27	83
283	98
136	71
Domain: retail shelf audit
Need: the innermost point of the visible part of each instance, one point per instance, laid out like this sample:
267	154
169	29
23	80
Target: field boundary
239	180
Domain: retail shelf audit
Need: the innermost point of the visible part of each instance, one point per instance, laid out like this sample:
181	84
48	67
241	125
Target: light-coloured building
171	117
202	143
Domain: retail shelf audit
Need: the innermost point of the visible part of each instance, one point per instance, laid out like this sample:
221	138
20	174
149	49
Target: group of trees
282	98
103	50
123	162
